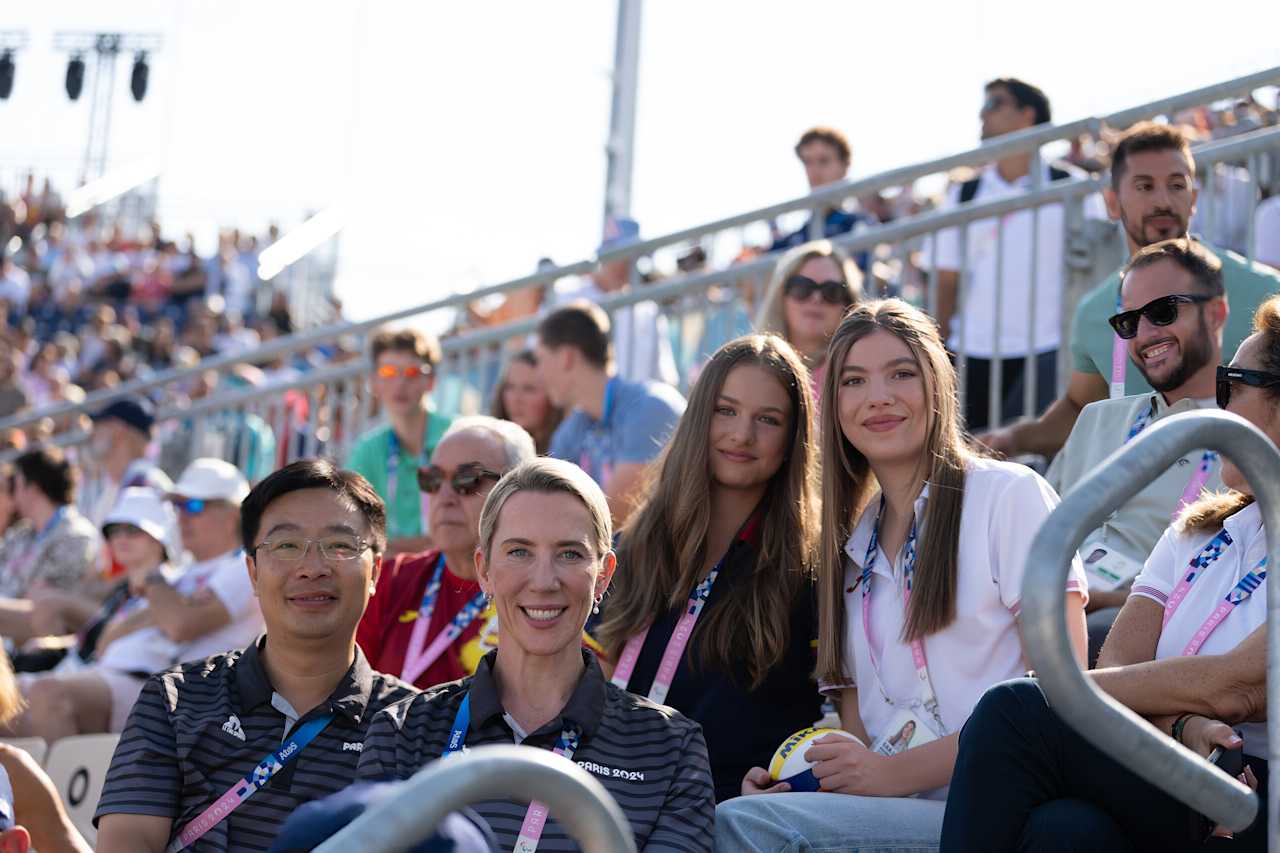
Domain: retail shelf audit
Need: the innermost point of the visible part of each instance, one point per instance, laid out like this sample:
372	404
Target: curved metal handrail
1100	719
577	800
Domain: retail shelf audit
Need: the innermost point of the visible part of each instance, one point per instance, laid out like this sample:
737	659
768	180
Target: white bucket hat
146	509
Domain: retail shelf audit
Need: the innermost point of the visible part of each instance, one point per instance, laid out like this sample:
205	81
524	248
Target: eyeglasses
465	481
411	371
1227	376
801	287
337	549
1161	312
193	506
995	102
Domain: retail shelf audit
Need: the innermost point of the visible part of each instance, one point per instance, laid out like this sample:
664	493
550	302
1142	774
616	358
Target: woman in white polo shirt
1201	592
919	594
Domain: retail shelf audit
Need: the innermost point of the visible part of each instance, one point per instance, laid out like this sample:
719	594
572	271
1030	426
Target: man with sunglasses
426	623
218	752
1173	310
388	456
1152	195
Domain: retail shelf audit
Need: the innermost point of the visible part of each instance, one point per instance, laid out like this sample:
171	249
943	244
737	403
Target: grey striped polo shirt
200	727
649	757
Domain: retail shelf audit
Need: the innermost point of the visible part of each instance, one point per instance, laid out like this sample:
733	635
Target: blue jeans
828	823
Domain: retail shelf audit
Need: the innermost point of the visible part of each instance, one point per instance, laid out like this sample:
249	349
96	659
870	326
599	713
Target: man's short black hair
582	325
49	470
1025	95
1204	267
314	474
1147	136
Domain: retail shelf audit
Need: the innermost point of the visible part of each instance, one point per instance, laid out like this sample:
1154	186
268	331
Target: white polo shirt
981	319
1168	564
1004	504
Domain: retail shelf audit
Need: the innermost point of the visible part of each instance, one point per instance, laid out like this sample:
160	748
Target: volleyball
788	764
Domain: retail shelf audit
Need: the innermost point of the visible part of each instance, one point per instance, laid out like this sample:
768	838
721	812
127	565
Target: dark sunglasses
1160	312
465	481
995	102
1227	376
801	287
192	506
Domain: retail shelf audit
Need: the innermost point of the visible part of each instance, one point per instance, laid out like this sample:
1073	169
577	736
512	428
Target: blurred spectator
117	448
516	305
826	156
1266	230
54	547
993	319
15	285
521	398
13	395
812	287
641	339
405	362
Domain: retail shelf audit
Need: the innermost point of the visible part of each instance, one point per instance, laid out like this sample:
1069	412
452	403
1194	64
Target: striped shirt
649	757
200	727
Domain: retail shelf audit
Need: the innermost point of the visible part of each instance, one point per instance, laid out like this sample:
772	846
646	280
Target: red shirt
388	621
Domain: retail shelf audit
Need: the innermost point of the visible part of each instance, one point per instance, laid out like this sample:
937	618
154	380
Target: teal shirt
370	458
1092	337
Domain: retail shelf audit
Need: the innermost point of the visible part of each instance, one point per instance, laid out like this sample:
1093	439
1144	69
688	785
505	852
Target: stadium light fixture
138	79
75	76
6	75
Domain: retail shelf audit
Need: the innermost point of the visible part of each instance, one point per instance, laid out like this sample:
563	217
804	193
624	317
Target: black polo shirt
743	726
650	758
197	729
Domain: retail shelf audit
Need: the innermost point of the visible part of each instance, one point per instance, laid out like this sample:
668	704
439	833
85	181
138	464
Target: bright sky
468	138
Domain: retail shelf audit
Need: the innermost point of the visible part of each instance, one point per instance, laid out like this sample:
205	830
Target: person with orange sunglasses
404	373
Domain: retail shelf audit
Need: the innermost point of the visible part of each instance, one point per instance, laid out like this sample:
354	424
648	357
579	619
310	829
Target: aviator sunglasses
1227	376
1160	312
412	371
465	481
801	287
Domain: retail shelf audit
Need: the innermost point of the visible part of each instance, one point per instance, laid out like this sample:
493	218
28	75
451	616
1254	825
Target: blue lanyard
908	557
610	395
566	745
253	782
393	468
463	617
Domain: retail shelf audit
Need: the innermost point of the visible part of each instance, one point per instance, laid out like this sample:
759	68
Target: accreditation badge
1107	568
906	730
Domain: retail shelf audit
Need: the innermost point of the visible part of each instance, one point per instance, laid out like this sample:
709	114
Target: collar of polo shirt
349	698
584	709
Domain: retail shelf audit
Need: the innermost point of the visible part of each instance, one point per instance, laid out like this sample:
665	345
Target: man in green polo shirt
388	456
1153	196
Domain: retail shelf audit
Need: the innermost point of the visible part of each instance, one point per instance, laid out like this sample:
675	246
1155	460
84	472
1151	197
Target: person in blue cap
117	455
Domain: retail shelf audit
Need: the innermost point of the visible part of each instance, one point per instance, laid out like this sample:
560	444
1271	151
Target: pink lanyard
929	698
674	651
1118	364
1239	593
418	659
1198	478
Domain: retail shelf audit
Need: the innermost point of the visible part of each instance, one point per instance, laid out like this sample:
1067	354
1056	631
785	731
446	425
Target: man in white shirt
641	338
1173	310
1266	230
117	456
206	608
994	322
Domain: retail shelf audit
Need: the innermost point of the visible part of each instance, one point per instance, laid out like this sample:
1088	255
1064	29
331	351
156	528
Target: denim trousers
1025	781
827	823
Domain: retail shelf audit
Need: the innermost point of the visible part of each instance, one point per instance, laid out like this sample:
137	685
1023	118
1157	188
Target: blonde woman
544	556
712	610
812	287
923	553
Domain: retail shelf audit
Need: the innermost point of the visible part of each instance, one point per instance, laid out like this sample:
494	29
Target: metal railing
1112	727
522	773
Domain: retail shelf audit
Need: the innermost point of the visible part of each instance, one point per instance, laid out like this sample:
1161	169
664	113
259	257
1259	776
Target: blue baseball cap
619	232
315	822
137	412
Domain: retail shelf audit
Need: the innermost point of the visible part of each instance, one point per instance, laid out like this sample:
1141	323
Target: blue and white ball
788	764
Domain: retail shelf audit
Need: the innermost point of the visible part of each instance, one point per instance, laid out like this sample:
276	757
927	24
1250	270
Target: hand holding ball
788	763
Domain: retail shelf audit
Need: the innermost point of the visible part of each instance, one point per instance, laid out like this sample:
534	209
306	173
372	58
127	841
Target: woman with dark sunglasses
1025	781
812	288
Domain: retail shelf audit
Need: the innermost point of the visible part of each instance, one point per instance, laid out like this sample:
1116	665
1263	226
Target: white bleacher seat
78	767
33	746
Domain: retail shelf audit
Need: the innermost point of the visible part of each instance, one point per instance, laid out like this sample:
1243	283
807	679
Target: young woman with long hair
712	609
521	398
923	551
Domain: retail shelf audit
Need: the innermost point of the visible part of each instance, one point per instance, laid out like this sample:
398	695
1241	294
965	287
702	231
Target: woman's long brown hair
848	484
663	546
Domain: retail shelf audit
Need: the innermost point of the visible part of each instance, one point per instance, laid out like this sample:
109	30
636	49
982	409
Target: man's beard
1138	234
1196	353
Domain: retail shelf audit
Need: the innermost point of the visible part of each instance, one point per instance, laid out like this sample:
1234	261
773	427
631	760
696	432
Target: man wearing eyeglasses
218	752
1173	309
427	621
388	456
